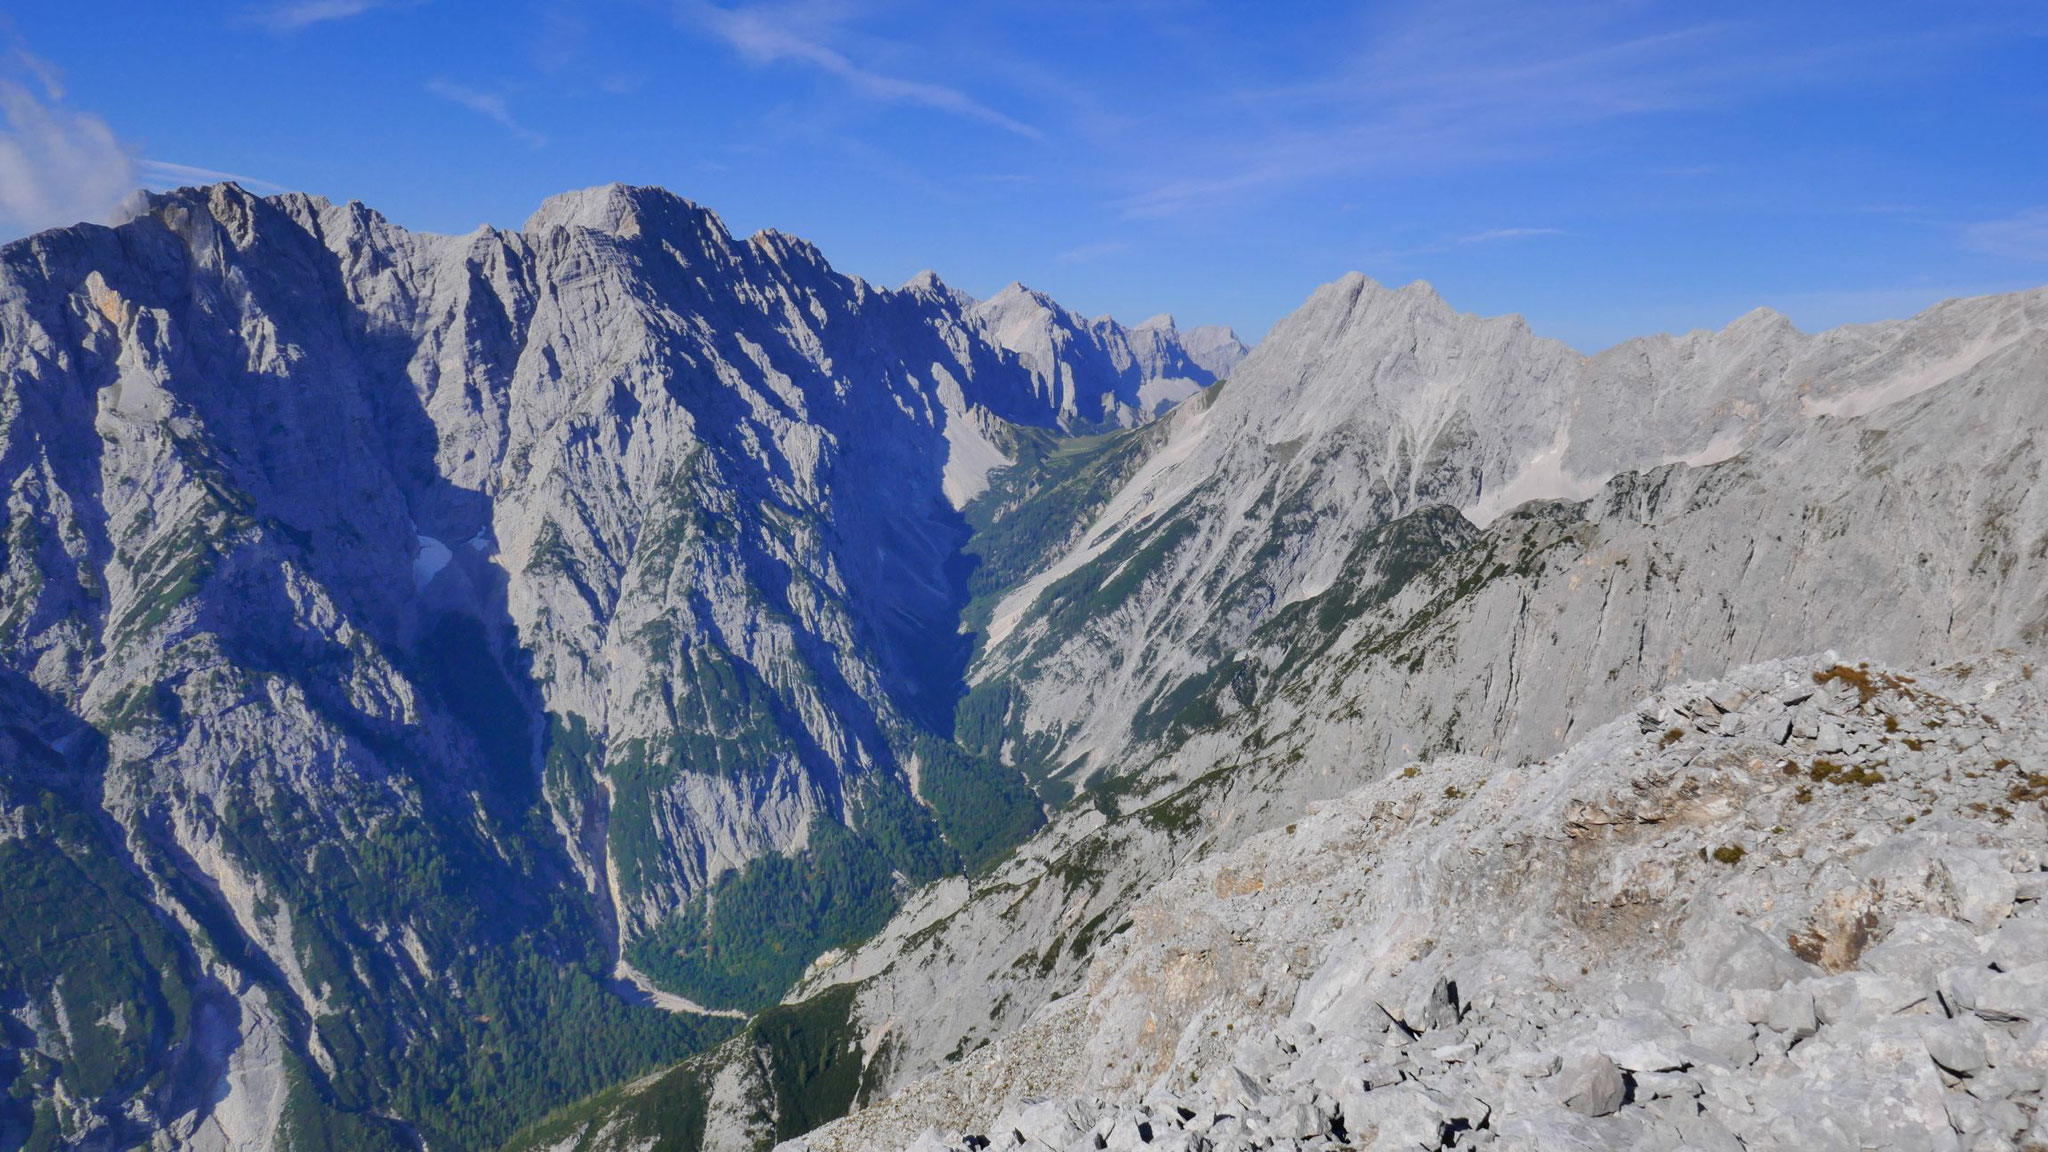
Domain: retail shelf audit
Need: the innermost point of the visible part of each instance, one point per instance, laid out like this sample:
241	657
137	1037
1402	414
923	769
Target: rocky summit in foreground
1801	907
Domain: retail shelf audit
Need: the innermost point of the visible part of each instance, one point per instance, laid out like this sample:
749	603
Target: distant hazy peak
1153	364
1215	347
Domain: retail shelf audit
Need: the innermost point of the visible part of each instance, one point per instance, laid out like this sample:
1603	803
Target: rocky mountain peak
929	285
1016	291
1151	364
1215	347
930	282
1017	314
1761	319
626	211
1358	299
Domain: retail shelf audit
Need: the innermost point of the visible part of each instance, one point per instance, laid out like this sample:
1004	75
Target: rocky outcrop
1797	907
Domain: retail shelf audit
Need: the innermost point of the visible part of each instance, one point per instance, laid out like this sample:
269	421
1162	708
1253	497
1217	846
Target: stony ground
1797	908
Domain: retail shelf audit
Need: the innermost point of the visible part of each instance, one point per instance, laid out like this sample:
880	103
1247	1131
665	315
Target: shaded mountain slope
423	635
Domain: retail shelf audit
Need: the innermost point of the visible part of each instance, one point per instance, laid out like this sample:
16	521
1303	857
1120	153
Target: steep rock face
1909	530
1097	373
1370	403
411	623
1798	907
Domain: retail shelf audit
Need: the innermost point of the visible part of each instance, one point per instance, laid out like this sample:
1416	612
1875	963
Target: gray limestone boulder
1403	1116
1591	1085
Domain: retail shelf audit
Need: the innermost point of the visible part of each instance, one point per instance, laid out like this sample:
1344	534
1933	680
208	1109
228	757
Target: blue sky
1606	169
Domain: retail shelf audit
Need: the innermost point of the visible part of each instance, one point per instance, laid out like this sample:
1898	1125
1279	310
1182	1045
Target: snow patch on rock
428	562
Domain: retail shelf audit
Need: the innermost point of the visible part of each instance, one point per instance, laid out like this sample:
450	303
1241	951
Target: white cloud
488	105
1493	234
1434	85
1087	252
170	174
2020	237
58	166
765	35
297	14
1399	257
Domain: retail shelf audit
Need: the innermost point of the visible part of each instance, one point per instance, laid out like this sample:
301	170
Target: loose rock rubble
1799	908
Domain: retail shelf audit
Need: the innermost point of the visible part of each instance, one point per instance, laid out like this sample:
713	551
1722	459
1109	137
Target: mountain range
615	684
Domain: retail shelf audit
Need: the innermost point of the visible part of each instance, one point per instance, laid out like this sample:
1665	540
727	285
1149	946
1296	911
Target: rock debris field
1800	907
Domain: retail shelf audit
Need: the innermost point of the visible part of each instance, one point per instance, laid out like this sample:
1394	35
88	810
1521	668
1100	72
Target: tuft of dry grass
1868	685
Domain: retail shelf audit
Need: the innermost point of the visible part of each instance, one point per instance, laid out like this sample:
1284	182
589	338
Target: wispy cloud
1399	257
766	34
1427	86
298	14
2023	236
488	105
1491	235
1086	252
170	174
58	165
